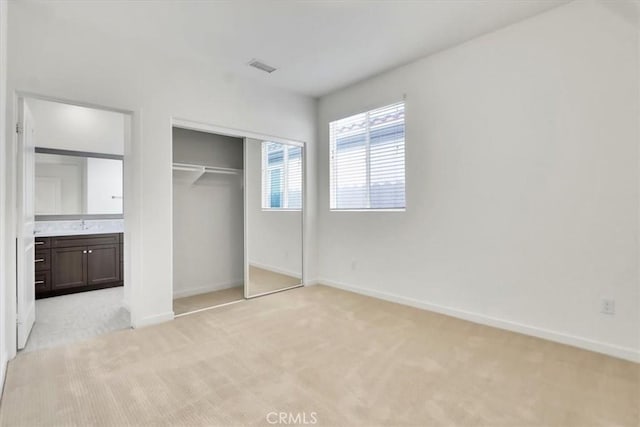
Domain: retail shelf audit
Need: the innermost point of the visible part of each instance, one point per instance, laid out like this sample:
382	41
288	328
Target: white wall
71	127
208	216
52	56
5	319
522	182
207	149
274	236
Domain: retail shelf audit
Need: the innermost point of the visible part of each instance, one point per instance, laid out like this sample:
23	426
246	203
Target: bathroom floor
70	318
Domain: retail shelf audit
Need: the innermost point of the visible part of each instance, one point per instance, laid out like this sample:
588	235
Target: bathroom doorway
71	232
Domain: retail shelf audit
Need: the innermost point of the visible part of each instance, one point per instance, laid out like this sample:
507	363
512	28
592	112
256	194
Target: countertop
73	233
78	227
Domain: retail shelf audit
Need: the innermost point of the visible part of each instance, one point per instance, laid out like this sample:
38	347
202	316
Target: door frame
131	212
244	134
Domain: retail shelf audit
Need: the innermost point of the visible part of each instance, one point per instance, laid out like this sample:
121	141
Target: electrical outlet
608	306
354	264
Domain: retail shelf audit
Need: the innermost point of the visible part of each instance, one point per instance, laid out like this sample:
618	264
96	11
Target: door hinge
18	128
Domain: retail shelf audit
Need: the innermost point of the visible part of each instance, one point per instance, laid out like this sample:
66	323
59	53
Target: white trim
626	353
209	308
301	285
207	288
369	210
276	270
32	95
238	133
152	320
245	217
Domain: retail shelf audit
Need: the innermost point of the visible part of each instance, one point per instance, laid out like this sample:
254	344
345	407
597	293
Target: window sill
369	210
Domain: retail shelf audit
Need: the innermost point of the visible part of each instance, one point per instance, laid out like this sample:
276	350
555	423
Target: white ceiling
317	46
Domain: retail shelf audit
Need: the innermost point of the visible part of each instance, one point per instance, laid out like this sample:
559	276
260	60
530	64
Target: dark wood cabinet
42	282
103	264
42	260
70	269
68	264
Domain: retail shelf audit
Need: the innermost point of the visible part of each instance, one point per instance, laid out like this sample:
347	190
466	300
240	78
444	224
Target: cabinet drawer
42	243
42	281
43	260
85	240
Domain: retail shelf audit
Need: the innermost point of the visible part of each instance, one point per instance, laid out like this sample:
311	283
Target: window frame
333	172
266	177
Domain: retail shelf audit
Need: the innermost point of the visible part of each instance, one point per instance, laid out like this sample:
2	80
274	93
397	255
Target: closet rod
204	169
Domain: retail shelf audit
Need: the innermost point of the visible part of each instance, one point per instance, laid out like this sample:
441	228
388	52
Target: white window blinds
281	176
367	160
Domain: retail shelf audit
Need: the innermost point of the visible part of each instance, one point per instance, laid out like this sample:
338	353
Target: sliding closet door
274	177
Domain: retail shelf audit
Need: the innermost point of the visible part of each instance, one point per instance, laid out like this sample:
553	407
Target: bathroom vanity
67	263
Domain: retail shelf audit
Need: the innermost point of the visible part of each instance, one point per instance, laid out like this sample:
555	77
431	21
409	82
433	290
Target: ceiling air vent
261	66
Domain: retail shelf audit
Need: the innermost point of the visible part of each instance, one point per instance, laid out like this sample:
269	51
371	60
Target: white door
25	226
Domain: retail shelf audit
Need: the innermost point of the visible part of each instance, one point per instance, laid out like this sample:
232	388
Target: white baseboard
626	353
152	320
204	289
275	269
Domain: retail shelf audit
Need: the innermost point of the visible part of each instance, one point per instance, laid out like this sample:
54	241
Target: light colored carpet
353	360
262	281
209	299
70	318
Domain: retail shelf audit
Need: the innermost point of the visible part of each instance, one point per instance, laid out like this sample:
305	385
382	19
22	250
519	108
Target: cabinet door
103	264
68	267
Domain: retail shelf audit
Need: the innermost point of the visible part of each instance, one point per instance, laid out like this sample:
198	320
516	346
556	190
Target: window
367	160
281	176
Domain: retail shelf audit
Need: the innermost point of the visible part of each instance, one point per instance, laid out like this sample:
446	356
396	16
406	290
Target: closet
238	205
208	220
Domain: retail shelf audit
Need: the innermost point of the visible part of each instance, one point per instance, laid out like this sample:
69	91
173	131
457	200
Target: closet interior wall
208	213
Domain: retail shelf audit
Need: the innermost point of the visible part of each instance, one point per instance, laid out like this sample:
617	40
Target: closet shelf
192	173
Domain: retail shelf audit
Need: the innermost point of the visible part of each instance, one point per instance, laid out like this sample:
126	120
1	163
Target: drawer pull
40	260
90	251
39	243
39	282
84	252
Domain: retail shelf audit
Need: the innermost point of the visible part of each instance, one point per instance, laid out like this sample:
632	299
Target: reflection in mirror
77	185
274	183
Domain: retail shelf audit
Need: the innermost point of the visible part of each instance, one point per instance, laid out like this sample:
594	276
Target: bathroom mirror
77	184
274	178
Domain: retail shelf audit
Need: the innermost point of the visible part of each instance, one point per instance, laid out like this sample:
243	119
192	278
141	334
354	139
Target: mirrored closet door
274	175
